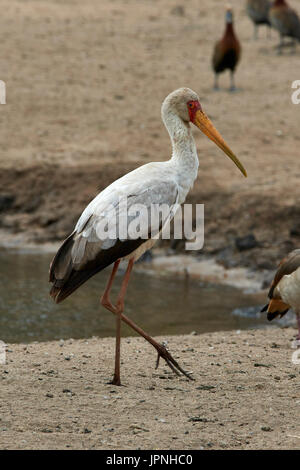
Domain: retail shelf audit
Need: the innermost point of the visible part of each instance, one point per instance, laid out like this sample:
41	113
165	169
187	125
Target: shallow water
159	305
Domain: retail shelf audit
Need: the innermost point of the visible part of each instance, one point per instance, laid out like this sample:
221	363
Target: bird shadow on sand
287	48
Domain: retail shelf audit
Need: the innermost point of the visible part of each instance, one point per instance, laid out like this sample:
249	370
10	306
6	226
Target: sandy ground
85	82
246	394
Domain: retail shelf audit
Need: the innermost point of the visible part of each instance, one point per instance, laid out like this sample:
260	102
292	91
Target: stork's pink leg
118	310
105	297
160	348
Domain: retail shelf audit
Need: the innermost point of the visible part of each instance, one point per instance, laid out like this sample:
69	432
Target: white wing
116	210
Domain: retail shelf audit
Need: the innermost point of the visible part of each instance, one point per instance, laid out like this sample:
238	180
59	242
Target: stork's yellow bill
201	120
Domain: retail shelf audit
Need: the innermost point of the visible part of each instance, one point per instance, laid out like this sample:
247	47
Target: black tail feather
59	292
66	279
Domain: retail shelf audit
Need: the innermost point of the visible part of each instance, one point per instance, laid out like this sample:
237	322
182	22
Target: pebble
246	243
205	387
266	428
178	11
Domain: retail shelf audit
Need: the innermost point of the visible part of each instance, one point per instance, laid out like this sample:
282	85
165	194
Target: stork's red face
193	107
199	118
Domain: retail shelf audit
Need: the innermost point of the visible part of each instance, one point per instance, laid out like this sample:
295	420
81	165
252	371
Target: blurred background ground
85	82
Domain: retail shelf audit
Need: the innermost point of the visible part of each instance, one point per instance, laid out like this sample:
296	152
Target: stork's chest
185	178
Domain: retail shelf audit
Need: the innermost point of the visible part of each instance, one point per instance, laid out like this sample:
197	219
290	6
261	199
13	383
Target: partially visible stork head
177	103
185	103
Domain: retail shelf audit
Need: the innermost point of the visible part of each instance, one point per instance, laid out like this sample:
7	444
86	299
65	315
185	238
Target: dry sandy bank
246	394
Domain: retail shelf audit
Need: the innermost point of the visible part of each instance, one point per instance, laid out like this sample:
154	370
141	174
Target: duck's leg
216	84
280	45
232	84
293	46
298	321
255	35
296	342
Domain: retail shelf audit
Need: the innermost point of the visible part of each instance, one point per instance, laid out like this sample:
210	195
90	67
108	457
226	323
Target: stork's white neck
184	152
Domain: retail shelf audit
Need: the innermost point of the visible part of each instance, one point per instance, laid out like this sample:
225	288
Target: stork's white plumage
284	292
83	253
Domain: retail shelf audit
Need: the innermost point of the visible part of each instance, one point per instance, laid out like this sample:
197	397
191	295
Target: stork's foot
116	381
174	366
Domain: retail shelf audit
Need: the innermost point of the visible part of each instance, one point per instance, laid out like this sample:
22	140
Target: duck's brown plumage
285	19
258	12
227	51
276	306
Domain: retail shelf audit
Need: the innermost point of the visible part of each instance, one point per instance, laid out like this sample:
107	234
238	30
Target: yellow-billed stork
83	254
